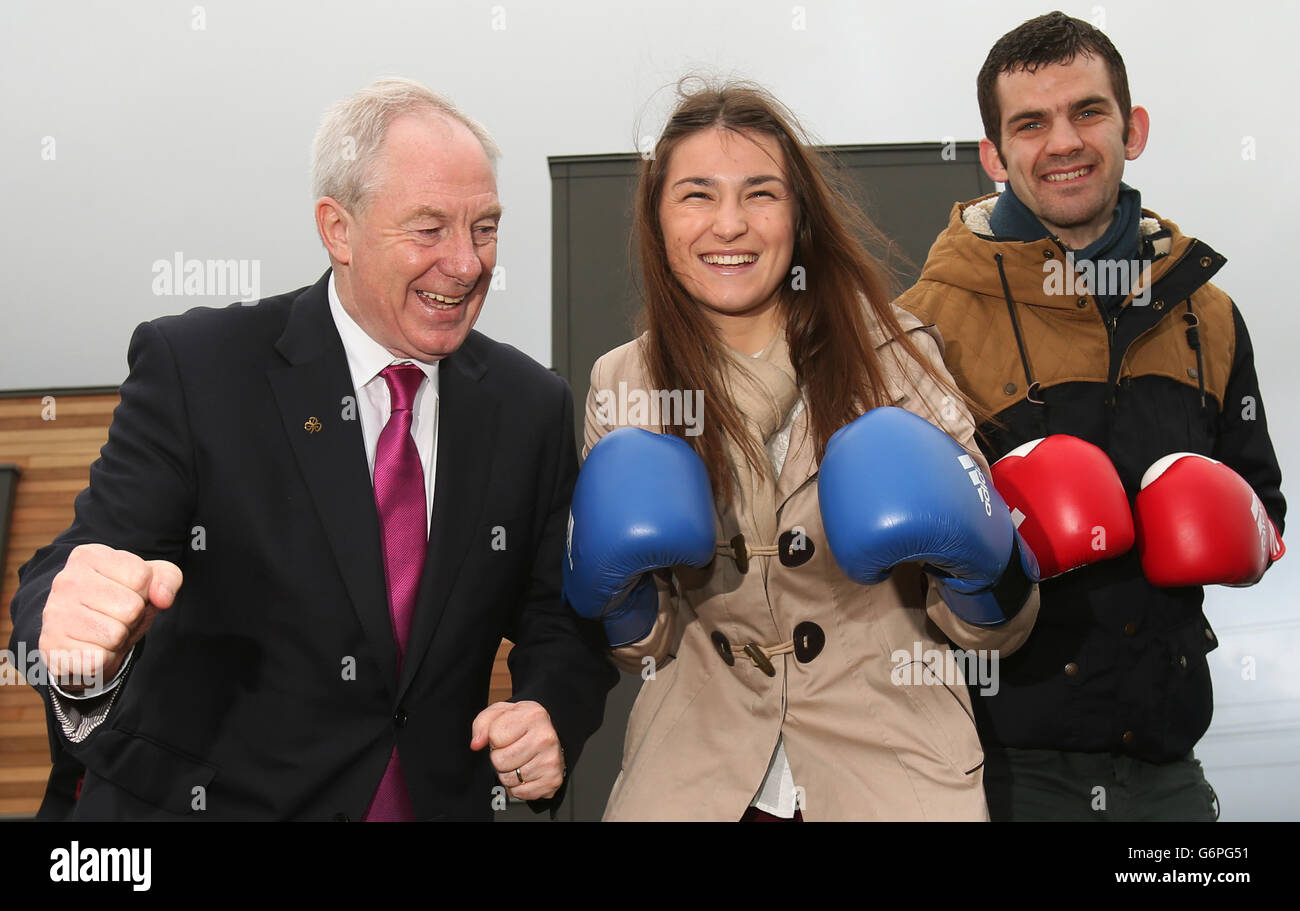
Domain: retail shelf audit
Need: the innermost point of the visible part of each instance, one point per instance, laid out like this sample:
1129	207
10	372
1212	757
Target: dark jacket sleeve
1242	441
558	659
140	495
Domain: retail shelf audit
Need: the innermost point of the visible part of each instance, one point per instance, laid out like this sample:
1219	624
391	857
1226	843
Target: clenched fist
100	605
525	748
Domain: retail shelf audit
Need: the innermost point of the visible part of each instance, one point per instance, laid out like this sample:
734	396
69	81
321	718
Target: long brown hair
831	347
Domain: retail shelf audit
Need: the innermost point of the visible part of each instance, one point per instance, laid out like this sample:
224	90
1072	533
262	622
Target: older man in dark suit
315	519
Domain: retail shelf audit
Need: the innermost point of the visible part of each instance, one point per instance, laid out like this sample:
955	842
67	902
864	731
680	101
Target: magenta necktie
399	497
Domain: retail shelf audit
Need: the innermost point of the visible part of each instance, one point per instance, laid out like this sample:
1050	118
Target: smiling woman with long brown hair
775	685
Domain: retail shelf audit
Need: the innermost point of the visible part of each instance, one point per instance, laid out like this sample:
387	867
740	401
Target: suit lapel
311	392
467	429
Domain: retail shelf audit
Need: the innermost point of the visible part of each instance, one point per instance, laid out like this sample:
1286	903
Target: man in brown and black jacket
1068	309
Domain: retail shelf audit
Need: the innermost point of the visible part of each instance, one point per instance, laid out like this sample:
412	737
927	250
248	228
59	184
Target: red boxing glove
1200	523
1067	501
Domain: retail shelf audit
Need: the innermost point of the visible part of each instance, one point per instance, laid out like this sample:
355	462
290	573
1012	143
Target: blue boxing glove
642	502
896	489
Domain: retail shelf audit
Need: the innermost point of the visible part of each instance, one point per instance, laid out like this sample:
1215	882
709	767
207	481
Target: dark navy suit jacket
270	688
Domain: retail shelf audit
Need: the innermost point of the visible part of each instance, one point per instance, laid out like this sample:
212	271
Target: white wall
170	138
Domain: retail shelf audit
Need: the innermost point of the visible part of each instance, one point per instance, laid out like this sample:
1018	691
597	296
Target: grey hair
347	144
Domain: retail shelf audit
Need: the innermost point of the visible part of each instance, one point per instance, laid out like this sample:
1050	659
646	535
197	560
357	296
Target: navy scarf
1012	220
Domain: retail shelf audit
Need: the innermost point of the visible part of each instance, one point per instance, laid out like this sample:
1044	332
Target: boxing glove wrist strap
1001	601
630	617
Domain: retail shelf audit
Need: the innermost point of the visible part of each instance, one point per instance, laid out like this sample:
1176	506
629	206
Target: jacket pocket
150	771
657	713
1189	694
949	728
650	699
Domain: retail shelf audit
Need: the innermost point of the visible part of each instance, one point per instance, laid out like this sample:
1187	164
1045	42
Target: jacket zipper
1111	322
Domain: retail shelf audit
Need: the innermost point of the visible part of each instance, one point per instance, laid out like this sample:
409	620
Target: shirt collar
366	357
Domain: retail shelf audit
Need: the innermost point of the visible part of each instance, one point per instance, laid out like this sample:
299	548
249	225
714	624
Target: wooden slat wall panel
55	458
501	688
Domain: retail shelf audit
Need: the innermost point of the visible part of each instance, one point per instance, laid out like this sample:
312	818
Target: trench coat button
1191	371
1071	669
1159	305
761	661
1047	254
795	548
1182	662
341	817
724	648
809	640
1205	262
1128	737
1081	303
1130	629
741	554
399	718
1009	388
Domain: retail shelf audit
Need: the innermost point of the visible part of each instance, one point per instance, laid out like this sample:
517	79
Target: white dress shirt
366	359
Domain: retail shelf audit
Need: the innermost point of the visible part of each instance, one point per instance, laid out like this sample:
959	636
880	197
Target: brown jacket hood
963	255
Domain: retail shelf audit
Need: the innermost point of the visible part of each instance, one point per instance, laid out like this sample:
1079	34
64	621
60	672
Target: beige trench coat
870	733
